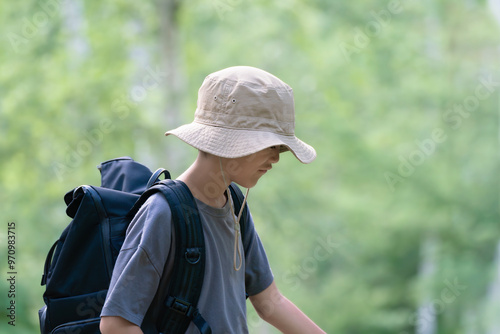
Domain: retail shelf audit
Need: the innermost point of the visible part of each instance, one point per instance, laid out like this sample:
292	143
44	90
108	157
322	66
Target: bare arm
118	325
280	312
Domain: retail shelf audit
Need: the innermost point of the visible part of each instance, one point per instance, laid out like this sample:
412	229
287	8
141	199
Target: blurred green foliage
393	229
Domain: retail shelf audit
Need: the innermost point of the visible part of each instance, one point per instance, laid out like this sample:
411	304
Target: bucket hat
242	110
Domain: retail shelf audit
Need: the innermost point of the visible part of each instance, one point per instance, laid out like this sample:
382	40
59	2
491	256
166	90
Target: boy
243	121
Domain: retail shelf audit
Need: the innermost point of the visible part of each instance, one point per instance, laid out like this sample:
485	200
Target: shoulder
156	206
152	219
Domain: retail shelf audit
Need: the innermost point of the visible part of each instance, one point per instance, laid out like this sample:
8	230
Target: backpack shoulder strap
179	296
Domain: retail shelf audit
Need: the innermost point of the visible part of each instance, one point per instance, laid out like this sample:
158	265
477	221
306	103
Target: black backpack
79	265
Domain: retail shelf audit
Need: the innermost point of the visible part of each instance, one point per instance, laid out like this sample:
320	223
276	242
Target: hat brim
236	143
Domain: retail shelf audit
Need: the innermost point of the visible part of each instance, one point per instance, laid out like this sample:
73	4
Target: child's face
246	171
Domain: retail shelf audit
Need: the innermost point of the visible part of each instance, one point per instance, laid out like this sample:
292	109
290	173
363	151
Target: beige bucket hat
242	110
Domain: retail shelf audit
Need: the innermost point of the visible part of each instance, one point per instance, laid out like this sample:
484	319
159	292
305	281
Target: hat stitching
285	127
205	112
291	135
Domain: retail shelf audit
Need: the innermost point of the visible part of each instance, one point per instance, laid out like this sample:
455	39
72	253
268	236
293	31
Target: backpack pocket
81	310
89	326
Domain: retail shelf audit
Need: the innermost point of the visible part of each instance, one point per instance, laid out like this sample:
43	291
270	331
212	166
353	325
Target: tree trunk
174	84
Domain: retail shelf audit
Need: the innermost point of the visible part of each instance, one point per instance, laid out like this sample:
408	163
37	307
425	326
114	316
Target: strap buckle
180	306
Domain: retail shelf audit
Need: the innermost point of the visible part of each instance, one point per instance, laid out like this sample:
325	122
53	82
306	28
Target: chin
246	183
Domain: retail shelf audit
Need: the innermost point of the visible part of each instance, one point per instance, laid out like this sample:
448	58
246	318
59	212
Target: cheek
245	172
243	167
247	176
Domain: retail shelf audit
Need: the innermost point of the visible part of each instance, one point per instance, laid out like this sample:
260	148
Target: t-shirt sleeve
138	268
258	274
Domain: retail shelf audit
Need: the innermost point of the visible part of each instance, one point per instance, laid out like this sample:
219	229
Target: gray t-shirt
145	253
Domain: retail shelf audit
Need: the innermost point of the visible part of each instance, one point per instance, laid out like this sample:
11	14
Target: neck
204	179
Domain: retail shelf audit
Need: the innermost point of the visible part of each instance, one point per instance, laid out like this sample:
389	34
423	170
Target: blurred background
393	229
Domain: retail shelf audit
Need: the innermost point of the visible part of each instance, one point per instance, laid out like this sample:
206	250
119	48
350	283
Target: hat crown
246	98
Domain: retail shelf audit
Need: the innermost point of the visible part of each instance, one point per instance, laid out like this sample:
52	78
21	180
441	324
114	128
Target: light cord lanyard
237	250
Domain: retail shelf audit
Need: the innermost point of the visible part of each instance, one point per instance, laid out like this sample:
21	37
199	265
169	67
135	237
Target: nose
275	156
